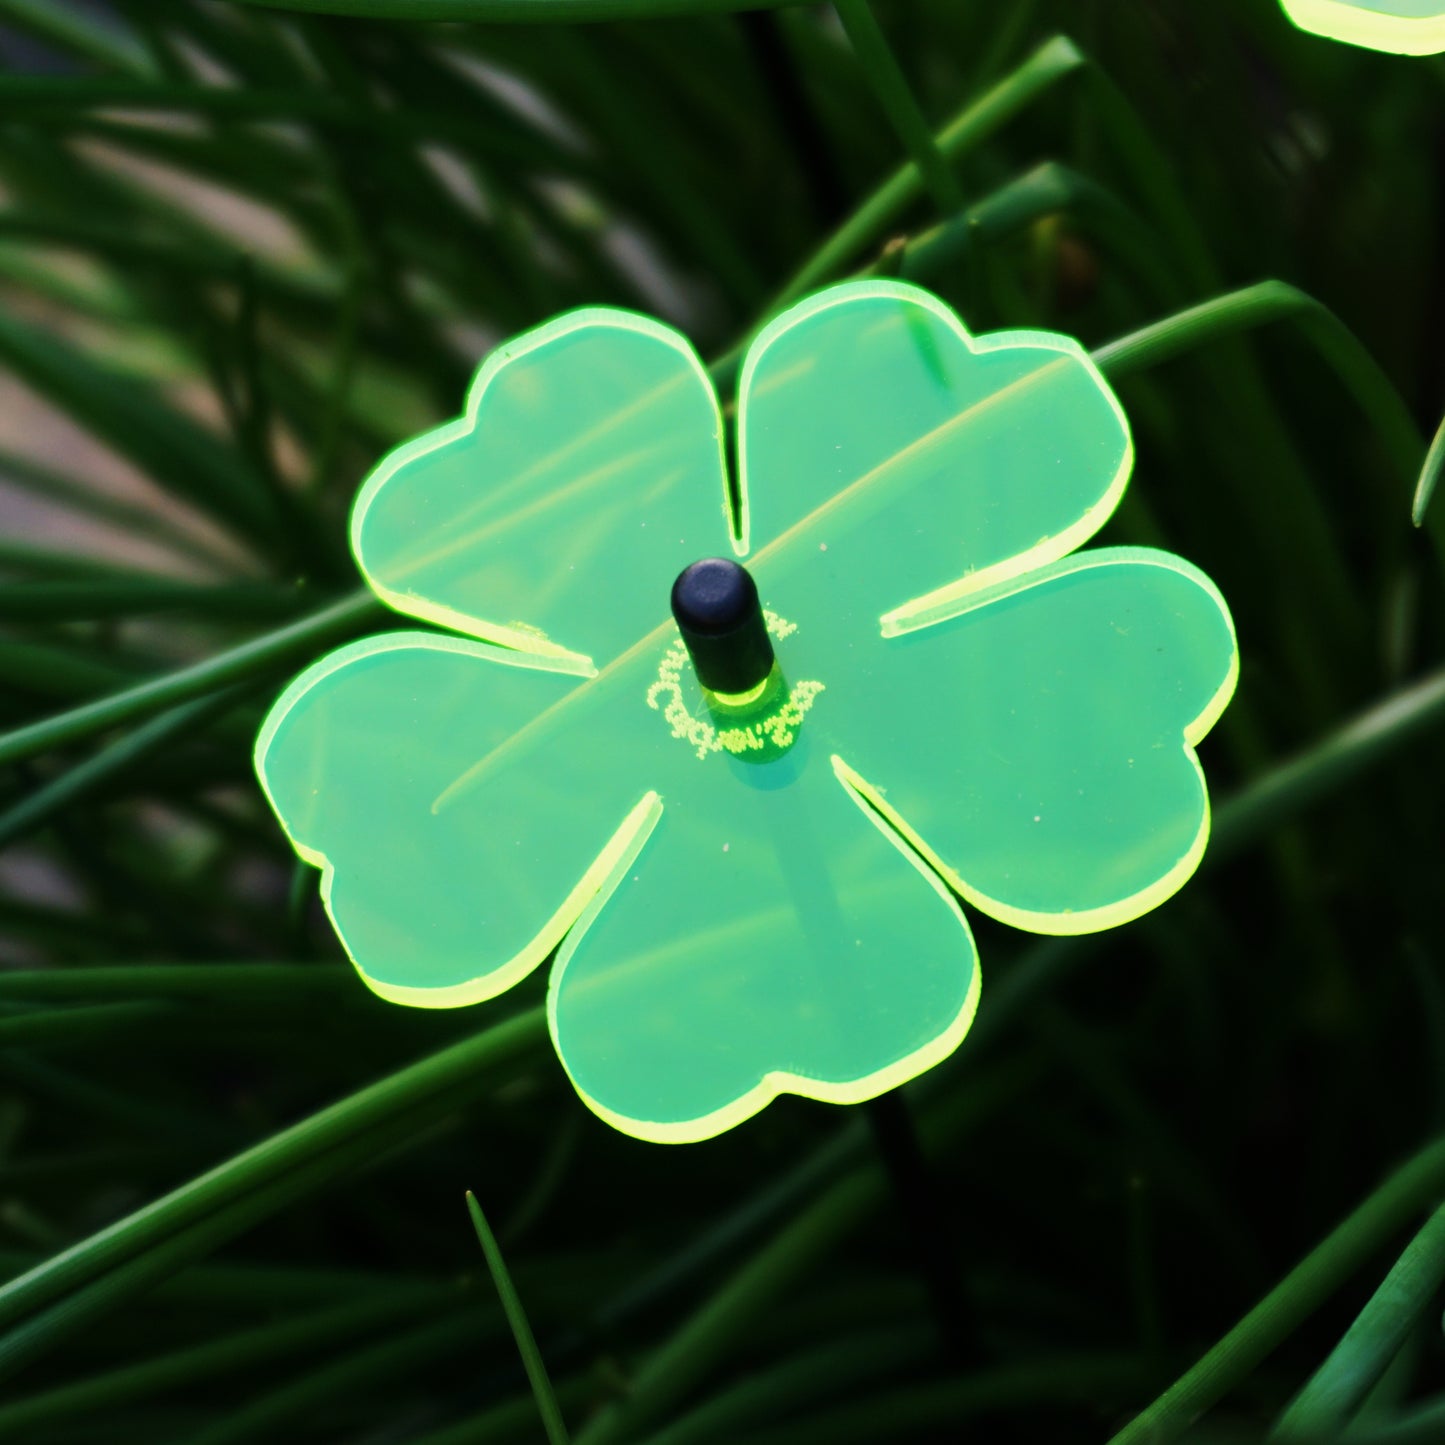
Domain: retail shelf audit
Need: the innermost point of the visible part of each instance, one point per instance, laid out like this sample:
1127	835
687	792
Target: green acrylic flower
753	896
1405	27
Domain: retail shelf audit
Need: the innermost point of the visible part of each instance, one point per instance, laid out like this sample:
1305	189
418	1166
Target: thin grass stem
532	1361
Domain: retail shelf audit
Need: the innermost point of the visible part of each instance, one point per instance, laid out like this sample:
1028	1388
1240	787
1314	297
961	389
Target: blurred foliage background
242	252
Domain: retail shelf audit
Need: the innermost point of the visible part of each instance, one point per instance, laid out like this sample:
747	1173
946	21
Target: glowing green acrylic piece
591	450
754	895
1404	27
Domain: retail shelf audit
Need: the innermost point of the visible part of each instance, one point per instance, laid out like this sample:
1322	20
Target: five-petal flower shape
754	896
1406	27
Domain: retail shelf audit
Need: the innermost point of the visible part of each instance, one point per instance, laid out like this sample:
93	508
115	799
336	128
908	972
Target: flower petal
913	463
1038	745
465	803
553	517
1405	27
773	936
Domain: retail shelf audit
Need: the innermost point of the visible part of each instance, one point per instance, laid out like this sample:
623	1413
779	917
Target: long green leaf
445	1079
536	1367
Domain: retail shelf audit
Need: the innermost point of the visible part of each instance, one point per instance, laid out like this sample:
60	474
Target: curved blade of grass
878	63
72	33
249	660
60	100
695	1346
509	1422
1429	476
268	1415
166	445
61	672
444	1079
1055	60
1259	305
1420	1424
1413	1187
39	807
536	1367
230	1354
78	1025
38	480
812	1375
73	601
220	981
1365	740
918	1411
175	1248
1338	1387
717	1328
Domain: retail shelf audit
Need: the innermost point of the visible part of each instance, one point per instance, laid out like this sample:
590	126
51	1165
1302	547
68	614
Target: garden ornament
1406	27
735	741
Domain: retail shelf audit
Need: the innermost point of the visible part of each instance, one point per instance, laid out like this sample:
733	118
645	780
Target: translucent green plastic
760	896
1406	27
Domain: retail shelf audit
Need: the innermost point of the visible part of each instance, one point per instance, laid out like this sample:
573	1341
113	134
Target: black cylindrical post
715	602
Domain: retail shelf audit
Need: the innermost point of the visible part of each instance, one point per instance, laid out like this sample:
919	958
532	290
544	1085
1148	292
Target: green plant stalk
58	671
241	1350
881	67
52	486
917	1411
512	1421
442	1080
1422	1424
1055	60
75	783
265	1417
249	1287
106	1291
78	1025
811	1376
1338	1387
224	982
1260	305
71	601
251	659
1415	1186
58	98
67	31
1283	496
136	420
1289	787
1429	476
678	1364
536	1367
716	1328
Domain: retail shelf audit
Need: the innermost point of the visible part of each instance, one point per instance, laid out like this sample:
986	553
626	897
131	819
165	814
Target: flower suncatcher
1407	27
754	884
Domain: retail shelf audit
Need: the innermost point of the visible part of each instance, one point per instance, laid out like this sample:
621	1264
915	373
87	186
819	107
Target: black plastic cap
715	602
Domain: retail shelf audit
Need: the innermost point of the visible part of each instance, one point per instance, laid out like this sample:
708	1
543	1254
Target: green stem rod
1415	1186
1335	1391
896	97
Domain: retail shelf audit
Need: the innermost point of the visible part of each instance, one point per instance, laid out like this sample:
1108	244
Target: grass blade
444	1079
536	1367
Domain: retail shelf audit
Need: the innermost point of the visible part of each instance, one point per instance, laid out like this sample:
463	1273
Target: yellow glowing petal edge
582	319
1397	34
621	846
904	618
1124	910
781	1081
